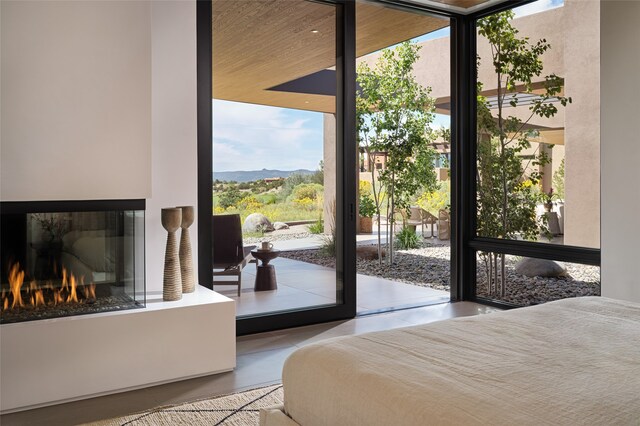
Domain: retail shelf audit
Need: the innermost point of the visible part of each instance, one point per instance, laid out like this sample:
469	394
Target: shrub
311	191
328	247
305	203
367	207
317	227
407	239
437	200
229	198
249	203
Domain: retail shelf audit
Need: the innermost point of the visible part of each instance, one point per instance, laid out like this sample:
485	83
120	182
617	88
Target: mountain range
252	175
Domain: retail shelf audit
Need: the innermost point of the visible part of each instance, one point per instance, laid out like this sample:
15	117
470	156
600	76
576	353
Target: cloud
251	137
536	7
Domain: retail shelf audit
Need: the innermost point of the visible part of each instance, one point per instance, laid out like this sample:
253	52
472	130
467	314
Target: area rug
238	409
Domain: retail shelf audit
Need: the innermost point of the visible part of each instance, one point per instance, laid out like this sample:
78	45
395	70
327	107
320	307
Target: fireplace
64	258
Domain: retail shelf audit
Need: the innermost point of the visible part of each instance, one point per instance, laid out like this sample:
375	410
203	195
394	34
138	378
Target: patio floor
302	284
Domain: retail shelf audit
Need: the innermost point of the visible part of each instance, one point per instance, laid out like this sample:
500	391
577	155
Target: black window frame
465	241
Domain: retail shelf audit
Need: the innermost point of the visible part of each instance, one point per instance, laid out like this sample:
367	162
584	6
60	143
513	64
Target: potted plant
547	200
367	209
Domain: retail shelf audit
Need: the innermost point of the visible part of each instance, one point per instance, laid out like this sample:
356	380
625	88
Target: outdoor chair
229	254
444	225
418	216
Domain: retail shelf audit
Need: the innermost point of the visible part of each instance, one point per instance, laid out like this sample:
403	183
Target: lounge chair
229	254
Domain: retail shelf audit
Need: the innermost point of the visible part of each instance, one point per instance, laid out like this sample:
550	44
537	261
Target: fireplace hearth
67	258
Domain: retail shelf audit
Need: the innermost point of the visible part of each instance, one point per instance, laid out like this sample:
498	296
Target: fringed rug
238	409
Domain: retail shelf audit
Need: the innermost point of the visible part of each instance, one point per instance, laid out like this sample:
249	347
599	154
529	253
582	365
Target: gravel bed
429	267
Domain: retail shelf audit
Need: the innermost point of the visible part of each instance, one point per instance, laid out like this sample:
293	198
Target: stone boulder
257	222
532	267
368	252
280	225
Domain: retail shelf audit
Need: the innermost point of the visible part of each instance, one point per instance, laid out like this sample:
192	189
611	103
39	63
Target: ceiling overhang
269	53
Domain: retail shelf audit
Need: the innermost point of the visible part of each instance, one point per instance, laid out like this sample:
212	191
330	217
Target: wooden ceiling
259	44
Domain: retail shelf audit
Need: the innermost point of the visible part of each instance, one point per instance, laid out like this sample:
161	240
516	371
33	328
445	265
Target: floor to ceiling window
538	151
274	184
403	109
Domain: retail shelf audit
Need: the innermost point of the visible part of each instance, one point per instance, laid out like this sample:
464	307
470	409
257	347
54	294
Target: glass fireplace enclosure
71	258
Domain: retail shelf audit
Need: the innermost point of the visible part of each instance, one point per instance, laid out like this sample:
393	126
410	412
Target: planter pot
366	225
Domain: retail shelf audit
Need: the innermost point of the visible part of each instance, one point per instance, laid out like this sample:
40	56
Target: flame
43	294
89	291
16	277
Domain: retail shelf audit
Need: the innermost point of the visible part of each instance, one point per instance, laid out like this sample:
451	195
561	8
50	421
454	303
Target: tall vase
171	282
186	258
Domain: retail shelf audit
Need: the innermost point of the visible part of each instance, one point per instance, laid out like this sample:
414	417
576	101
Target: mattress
574	361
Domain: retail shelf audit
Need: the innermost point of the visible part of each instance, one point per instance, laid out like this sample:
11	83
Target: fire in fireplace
71	258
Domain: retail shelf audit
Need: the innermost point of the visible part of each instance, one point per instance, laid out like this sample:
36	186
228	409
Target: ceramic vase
186	257
171	282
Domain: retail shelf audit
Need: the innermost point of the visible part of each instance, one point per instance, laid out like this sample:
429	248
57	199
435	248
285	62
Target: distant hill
251	175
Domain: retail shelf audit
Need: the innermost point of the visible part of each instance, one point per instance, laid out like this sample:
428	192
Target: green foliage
311	191
394	113
437	200
407	239
317	227
506	197
558	181
367	207
506	202
229	198
291	182
328	247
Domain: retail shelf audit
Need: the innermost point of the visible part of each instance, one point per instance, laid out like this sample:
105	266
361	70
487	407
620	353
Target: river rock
280	225
257	222
532	267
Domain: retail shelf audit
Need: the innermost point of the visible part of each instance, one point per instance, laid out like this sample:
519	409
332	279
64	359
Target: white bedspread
574	361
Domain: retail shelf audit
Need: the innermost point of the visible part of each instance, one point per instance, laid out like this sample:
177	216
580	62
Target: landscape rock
531	267
257	222
280	225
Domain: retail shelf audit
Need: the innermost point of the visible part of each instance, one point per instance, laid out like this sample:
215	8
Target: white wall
620	149
76	100
99	102
174	155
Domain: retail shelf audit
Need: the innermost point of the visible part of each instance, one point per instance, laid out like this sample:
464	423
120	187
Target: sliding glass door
277	162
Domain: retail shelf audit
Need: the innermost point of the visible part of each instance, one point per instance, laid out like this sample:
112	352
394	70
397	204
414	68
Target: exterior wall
582	123
620	67
76	100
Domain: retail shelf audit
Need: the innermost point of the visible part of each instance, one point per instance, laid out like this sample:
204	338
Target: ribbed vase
186	258
171	282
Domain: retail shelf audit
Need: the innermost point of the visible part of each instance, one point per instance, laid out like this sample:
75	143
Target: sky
254	137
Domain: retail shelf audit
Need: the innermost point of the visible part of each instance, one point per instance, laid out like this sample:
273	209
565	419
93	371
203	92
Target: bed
573	361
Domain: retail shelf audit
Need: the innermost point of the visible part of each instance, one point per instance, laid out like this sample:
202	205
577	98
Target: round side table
266	274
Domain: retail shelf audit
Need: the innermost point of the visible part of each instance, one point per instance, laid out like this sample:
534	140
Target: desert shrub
328	247
229	198
249	203
364	188
407	239
437	200
311	191
305	203
317	227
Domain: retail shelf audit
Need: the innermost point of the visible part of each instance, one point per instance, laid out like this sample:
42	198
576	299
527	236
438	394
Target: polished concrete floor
260	358
302	284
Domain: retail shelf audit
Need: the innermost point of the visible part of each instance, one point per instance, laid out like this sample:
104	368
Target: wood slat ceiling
258	45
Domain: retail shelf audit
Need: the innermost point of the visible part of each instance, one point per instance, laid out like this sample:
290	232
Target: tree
506	196
394	114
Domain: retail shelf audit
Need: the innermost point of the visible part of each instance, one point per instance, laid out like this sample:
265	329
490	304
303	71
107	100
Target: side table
266	274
